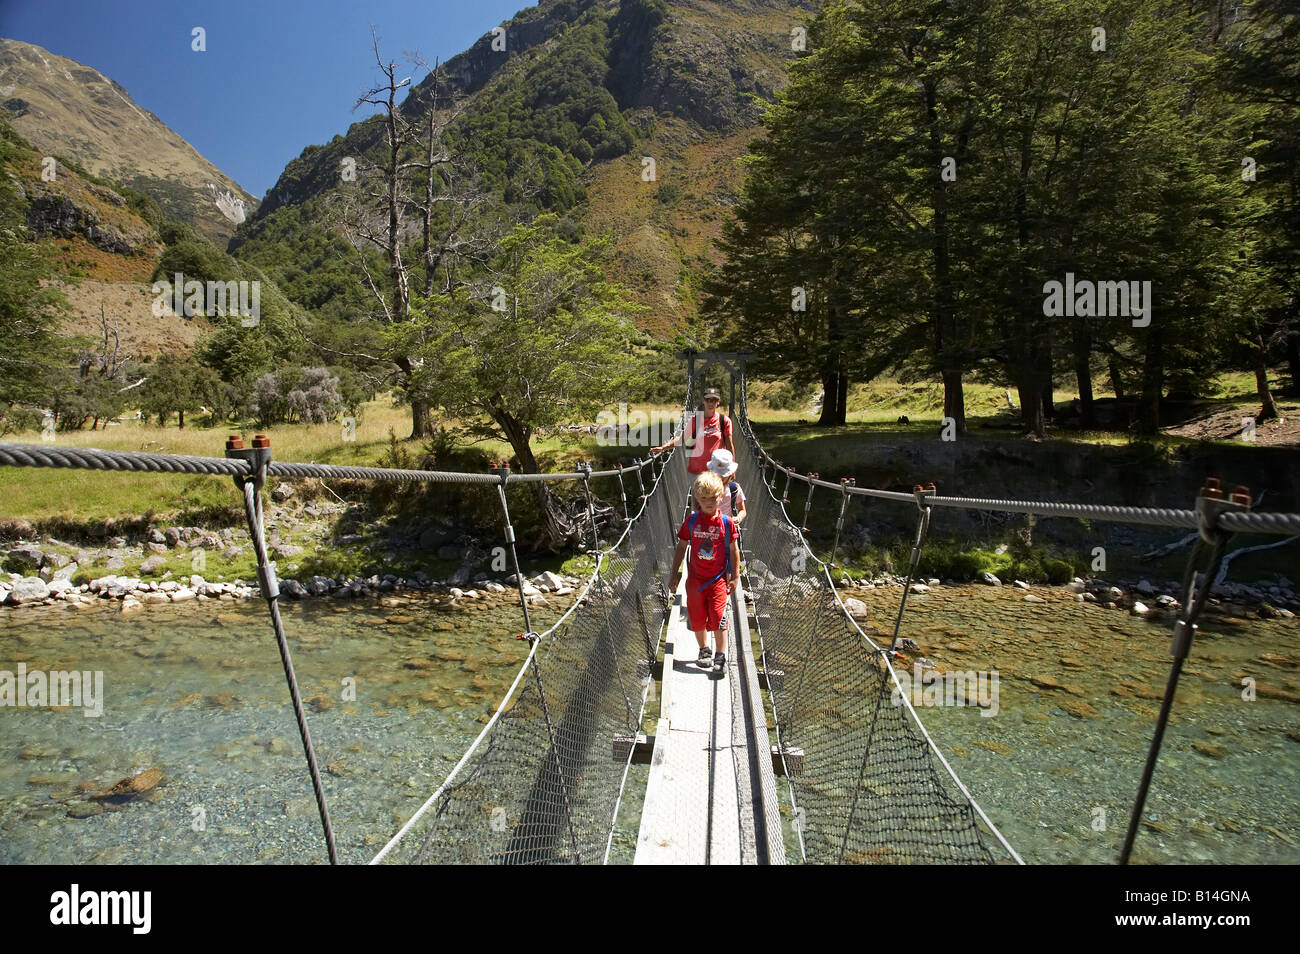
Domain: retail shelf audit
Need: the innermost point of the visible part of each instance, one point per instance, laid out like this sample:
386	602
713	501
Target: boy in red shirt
709	536
714	432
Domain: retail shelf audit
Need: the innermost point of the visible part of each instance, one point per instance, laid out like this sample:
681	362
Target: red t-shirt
708	555
714	432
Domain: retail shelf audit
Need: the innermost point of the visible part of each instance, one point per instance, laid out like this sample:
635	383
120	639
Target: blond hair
708	486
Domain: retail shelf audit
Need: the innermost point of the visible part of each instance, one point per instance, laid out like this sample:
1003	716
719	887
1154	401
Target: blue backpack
726	546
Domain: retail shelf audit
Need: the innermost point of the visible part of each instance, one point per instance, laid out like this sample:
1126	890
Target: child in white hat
723	463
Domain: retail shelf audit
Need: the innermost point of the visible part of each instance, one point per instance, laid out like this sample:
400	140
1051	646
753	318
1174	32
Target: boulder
66	572
156	536
433	537
153	566
293	589
24	560
320	585
550	579
451	551
122	586
28	590
183	594
857	609
171	537
989	579
282	492
55	561
285	550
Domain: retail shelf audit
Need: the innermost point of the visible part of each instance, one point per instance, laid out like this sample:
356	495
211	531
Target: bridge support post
585	469
1210	505
922	526
845	483
503	472
258	456
622	491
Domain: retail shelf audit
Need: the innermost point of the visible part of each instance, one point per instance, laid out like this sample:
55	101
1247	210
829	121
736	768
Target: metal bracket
258	456
923	495
1211	505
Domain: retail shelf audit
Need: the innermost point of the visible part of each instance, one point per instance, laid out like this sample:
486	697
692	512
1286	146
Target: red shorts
706	609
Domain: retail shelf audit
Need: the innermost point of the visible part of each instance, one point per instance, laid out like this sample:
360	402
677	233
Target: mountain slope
562	120
66	109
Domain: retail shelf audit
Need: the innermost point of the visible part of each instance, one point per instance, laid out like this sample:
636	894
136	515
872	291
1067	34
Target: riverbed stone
153	566
24	559
856	608
122	586
28	590
989	579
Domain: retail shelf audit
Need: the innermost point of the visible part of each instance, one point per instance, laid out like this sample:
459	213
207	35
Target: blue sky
278	75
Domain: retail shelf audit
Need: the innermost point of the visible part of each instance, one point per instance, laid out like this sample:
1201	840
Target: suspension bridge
808	696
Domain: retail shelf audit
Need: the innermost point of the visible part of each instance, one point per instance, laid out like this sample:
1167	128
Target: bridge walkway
711	796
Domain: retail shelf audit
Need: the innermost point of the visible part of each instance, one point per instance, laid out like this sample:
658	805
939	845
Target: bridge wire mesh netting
542	784
866	781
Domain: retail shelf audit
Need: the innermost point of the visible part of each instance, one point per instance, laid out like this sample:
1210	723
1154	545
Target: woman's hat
722	463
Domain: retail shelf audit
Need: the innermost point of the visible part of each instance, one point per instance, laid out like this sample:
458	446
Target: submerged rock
133	785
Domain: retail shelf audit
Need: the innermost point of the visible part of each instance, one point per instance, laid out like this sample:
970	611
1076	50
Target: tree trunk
1267	407
830	397
1031	406
842	405
954	400
1293	358
181	414
420	424
1116	381
945	309
1048	394
556	530
1082	342
1153	382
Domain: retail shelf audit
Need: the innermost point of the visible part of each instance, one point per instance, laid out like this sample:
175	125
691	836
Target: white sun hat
722	463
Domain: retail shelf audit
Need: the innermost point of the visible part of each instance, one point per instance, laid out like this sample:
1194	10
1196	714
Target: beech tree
538	338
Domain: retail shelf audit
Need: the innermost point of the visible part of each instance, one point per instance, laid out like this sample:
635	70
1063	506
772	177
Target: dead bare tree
417	177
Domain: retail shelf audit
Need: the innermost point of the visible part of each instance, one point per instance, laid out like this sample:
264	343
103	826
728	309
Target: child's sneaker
706	654
720	665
